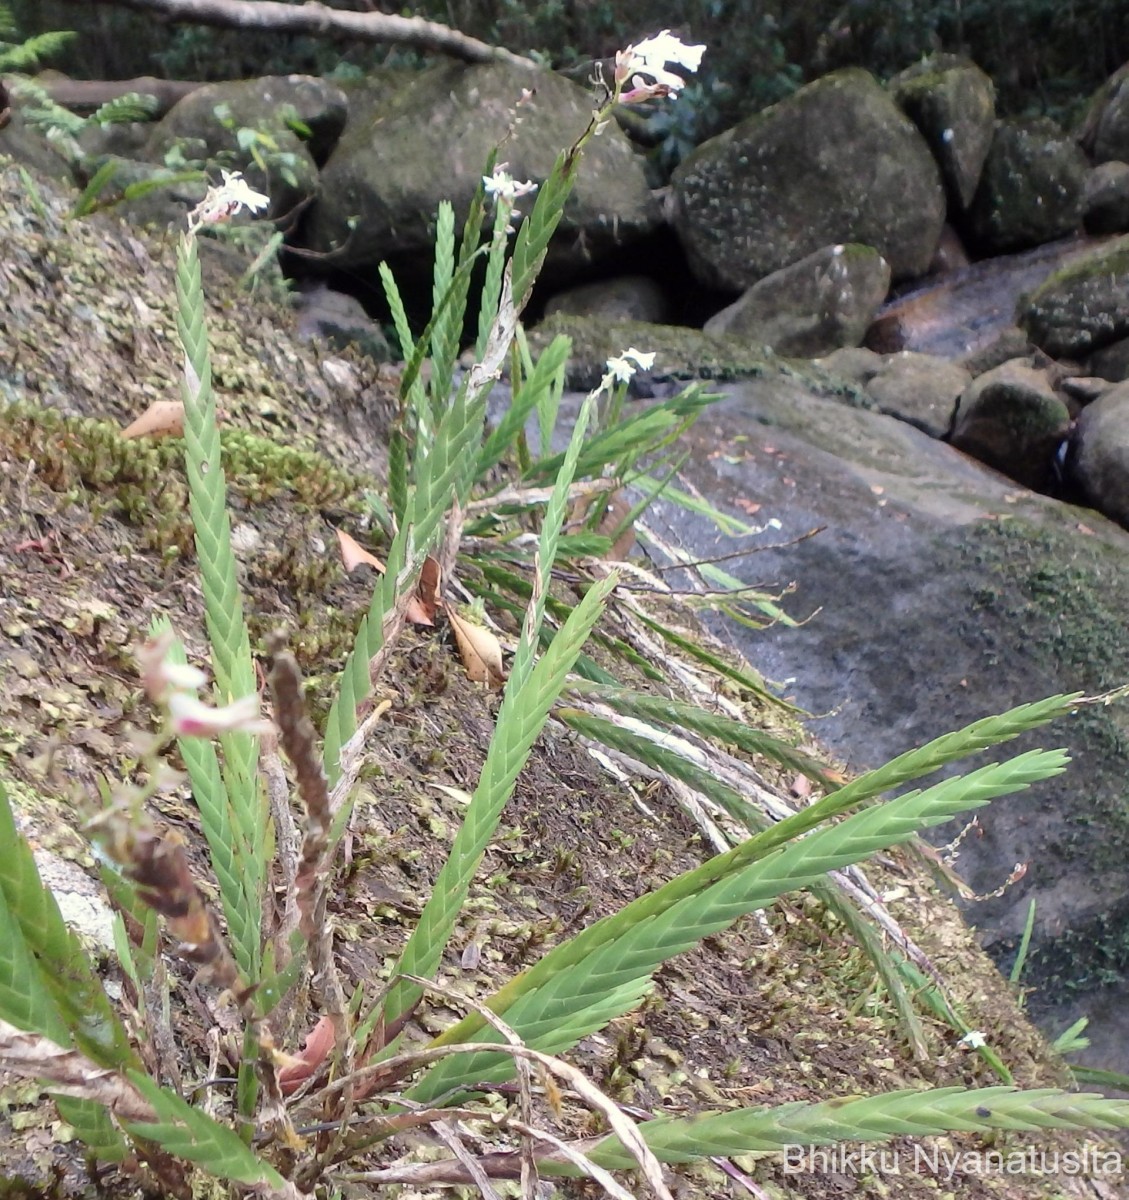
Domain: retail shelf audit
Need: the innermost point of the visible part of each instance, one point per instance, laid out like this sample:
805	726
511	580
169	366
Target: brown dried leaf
428	588
353	553
317	1048
480	651
163	418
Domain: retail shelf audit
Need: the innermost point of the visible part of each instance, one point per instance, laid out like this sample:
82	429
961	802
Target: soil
94	543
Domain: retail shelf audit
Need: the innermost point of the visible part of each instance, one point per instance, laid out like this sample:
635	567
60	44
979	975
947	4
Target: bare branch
71	1073
319	20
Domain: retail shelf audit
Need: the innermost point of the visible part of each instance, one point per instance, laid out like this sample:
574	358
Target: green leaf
95	1128
24	998
231	851
579	986
192	1135
537	230
223	599
46	959
908	1114
675	714
547	374
524	711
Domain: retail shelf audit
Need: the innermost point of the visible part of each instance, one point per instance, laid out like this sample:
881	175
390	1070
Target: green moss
144	480
1070	587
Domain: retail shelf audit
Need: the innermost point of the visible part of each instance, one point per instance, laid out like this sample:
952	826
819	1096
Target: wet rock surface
939	592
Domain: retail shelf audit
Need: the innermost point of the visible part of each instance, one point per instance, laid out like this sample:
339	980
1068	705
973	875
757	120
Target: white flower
503	186
221	203
621	369
650	58
972	1040
193	718
173	684
160	675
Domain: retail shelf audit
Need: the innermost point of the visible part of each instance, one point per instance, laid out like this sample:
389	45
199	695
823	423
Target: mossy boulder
430	142
1011	419
1082	307
953	103
299	116
822	303
836	162
1031	188
1099	454
1104	134
922	389
1105	201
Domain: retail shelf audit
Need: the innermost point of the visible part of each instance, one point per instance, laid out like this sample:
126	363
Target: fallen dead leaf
421	611
163	418
480	651
747	506
300	1067
353	553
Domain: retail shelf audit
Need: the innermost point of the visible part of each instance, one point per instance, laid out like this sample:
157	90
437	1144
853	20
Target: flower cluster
223	202
651	57
622	367
173	685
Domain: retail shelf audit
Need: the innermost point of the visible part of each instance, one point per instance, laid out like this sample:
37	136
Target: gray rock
1011	342
1098	461
1011	419
206	125
936	594
342	321
1105	201
953	103
430	141
1112	361
822	303
1083	306
1105	131
950	255
625	298
919	388
856	364
836	162
1031	188
269	103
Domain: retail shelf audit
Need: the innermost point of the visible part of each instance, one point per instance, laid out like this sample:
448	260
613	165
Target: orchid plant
300	1121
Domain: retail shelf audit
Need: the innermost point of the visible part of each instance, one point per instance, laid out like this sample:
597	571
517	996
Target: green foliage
449	476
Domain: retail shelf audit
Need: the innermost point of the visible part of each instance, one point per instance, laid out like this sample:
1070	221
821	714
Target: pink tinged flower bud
193	718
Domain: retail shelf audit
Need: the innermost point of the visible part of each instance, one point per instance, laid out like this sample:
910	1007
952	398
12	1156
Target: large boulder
938	592
922	389
1105	131
1098	461
1105	200
1012	419
822	303
430	141
298	119
1083	306
953	103
836	162
623	298
1031	188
